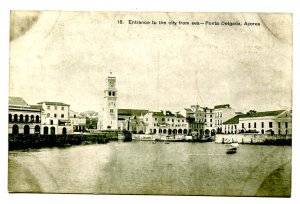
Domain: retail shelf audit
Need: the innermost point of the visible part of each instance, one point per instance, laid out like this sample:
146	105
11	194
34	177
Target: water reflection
147	168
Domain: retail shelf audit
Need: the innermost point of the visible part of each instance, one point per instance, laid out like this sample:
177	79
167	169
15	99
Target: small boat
232	148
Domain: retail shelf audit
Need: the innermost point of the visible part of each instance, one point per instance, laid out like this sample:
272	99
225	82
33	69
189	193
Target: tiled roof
222	106
262	114
17	101
179	116
158	114
132	112
54	103
38	107
234	120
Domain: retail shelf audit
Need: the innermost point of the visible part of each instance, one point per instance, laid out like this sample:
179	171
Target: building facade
132	120
277	122
23	118
165	122
55	118
108	116
222	113
77	121
195	117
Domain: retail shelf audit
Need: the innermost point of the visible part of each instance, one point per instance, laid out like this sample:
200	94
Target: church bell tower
110	111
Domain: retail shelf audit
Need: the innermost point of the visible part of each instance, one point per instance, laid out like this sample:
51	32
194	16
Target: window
279	125
48	107
163	119
62	108
62	115
51	122
243	125
178	120
211	120
211	116
210	125
146	119
262	124
270	124
113	93
111	110
205	120
48	115
254	124
55	107
172	120
182	120
155	119
249	125
55	115
286	124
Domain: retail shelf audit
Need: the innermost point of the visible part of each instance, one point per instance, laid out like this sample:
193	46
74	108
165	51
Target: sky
66	56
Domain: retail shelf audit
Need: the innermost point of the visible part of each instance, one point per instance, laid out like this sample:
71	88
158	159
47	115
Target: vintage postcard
150	103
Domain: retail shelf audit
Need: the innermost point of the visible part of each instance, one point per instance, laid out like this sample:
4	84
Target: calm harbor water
147	168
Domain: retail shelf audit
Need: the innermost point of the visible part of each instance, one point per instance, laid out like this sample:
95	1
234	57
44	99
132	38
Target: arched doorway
160	131
180	131
26	130
46	130
185	131
10	118
154	131
207	132
169	131
15	129
32	118
64	131
37	119
52	130
164	131
37	129
175	132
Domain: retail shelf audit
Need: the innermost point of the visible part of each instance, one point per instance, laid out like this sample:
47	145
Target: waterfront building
231	126
209	121
54	118
131	120
195	117
277	122
23	118
222	113
77	121
108	115
165	122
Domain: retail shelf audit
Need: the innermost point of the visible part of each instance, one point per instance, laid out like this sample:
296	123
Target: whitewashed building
23	118
165	122
55	118
222	113
277	122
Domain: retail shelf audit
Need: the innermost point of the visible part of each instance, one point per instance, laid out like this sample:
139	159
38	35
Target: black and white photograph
150	103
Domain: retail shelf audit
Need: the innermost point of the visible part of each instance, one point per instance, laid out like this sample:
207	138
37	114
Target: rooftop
132	112
53	103
222	106
17	101
261	114
234	120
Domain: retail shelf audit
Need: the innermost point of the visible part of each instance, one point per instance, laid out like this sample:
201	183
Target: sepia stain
21	22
